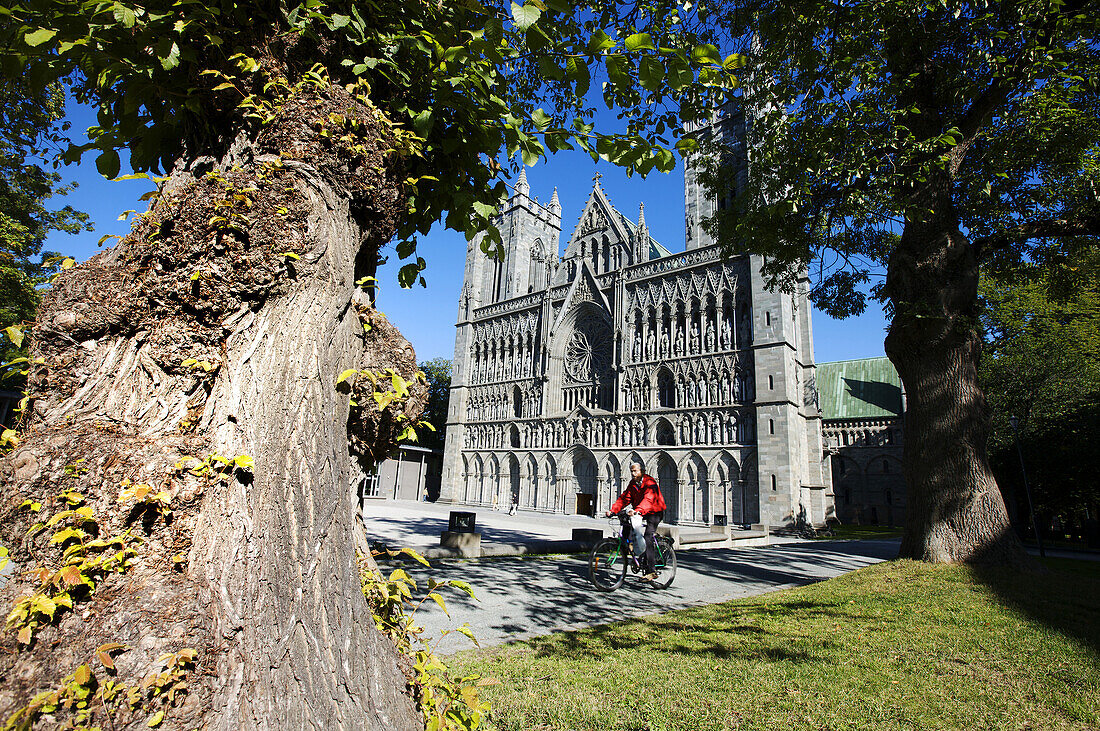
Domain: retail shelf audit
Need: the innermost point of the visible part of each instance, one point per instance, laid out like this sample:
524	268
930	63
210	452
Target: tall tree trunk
247	265
954	508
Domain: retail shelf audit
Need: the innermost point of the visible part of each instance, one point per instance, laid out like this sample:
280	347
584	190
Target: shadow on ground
522	598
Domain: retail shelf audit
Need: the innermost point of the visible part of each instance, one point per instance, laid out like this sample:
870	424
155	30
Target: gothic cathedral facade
569	368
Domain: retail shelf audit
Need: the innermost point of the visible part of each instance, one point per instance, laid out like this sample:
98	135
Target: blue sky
426	316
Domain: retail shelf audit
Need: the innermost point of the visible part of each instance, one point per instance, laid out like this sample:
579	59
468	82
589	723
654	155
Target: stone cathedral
568	367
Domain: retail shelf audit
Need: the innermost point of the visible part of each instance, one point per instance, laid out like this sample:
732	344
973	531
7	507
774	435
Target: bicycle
610	558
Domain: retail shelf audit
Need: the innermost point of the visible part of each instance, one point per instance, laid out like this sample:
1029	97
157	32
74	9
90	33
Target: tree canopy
859	108
30	129
460	80
1042	365
438	373
926	141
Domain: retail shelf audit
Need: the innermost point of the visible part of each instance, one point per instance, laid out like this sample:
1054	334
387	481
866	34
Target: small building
863	410
413	473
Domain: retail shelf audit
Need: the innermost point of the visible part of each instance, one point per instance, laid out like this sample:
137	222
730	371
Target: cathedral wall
684	362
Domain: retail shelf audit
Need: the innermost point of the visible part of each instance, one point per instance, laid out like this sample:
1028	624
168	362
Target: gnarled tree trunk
954	509
246	265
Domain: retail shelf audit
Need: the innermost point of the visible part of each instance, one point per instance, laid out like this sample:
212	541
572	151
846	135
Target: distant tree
1042	365
229	328
438	371
928	140
30	130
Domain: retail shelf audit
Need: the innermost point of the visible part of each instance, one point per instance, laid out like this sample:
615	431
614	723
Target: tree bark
954	508
270	594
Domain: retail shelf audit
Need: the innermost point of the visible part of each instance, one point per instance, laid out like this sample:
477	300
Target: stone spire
522	188
555	205
641	215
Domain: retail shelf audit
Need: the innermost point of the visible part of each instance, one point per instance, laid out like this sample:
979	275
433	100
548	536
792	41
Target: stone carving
694	337
710	335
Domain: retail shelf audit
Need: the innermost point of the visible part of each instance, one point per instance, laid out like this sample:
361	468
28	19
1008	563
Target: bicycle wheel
666	563
607	565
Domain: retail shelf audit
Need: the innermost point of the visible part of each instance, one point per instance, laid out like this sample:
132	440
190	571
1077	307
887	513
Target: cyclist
644	495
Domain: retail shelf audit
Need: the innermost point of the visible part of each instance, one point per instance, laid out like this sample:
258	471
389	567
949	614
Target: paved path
405	523
522	598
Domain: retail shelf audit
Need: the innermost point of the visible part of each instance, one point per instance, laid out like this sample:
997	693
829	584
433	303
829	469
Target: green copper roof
656	251
859	389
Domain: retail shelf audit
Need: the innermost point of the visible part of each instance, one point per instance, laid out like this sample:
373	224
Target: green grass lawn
898	645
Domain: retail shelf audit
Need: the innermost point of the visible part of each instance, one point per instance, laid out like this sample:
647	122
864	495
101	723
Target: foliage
876	117
1042	365
445	702
176	79
386	389
29	129
85	560
89	696
438	374
899	645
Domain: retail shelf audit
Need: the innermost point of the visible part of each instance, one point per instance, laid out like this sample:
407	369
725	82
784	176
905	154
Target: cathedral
569	367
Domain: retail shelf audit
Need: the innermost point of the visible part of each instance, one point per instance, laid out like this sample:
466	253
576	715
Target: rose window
588	352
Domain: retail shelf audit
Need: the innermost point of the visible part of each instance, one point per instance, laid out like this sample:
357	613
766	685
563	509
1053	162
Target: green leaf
485	209
525	15
244	462
651	73
108	164
618	70
599	42
15	335
541	119
40	36
576	70
439	600
465	629
172	59
464	587
346	375
415	555
707	53
640	42
422	122
734	61
156	720
125	16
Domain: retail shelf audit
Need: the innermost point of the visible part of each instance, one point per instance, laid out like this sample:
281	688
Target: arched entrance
513	480
666	478
584	482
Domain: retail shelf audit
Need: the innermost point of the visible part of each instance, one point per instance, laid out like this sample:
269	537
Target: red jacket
646	498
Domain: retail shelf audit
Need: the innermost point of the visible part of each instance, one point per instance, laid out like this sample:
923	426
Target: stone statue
651	344
710	335
679	339
665	344
727	333
637	352
694	337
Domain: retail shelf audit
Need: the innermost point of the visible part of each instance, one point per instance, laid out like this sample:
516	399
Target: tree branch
1045	228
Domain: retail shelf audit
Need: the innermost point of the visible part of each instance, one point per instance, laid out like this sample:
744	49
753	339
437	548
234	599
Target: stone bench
691	539
466	545
589	536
